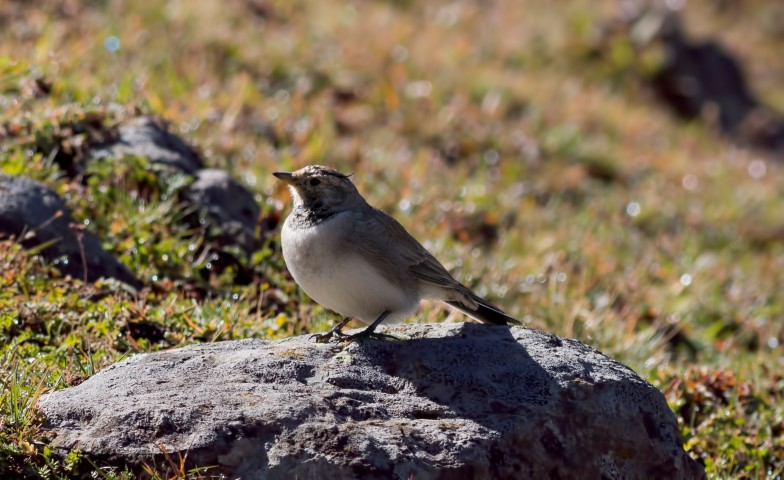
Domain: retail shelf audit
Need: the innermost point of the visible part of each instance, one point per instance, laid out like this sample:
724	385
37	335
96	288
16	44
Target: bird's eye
314	182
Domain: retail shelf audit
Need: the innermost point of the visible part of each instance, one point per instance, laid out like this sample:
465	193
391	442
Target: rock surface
35	215
448	401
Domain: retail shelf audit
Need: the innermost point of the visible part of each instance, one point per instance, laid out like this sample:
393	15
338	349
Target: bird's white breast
341	281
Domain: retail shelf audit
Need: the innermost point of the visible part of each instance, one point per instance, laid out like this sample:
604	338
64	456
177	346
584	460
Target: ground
519	141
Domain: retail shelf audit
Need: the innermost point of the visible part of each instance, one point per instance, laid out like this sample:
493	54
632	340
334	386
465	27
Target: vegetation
520	140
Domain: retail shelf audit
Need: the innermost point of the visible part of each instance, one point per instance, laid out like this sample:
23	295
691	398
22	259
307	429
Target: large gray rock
448	401
35	215
149	137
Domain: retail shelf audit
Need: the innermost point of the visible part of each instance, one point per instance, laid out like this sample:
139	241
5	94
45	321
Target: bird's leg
336	331
370	332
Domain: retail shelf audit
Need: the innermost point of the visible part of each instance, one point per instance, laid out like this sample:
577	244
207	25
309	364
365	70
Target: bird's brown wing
385	242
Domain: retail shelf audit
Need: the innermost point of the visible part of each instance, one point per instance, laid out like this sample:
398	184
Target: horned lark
359	262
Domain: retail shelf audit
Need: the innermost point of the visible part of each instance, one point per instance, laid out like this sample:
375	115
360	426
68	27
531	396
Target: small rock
704	79
449	401
219	202
35	215
148	137
228	205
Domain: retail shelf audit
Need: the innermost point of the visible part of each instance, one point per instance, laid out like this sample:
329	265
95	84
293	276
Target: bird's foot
335	332
370	333
375	335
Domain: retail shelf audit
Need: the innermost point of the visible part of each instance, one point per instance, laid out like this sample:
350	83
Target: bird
361	263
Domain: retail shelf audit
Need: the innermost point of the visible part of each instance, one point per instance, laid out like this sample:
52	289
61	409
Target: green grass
517	140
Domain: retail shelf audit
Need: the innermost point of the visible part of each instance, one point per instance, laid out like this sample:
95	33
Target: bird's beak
285	176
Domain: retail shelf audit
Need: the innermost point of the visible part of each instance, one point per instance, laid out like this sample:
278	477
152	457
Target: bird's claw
335	332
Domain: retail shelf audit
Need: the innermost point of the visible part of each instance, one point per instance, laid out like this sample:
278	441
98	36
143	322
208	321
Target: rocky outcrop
446	401
34	215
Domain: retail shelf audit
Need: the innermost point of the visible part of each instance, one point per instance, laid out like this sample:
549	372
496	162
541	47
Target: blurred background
603	170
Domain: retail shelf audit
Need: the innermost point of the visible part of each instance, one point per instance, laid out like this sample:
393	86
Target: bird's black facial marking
312	215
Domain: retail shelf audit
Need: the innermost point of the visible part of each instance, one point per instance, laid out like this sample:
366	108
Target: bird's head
320	188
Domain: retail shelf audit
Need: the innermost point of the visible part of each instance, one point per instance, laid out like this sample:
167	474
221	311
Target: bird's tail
485	312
